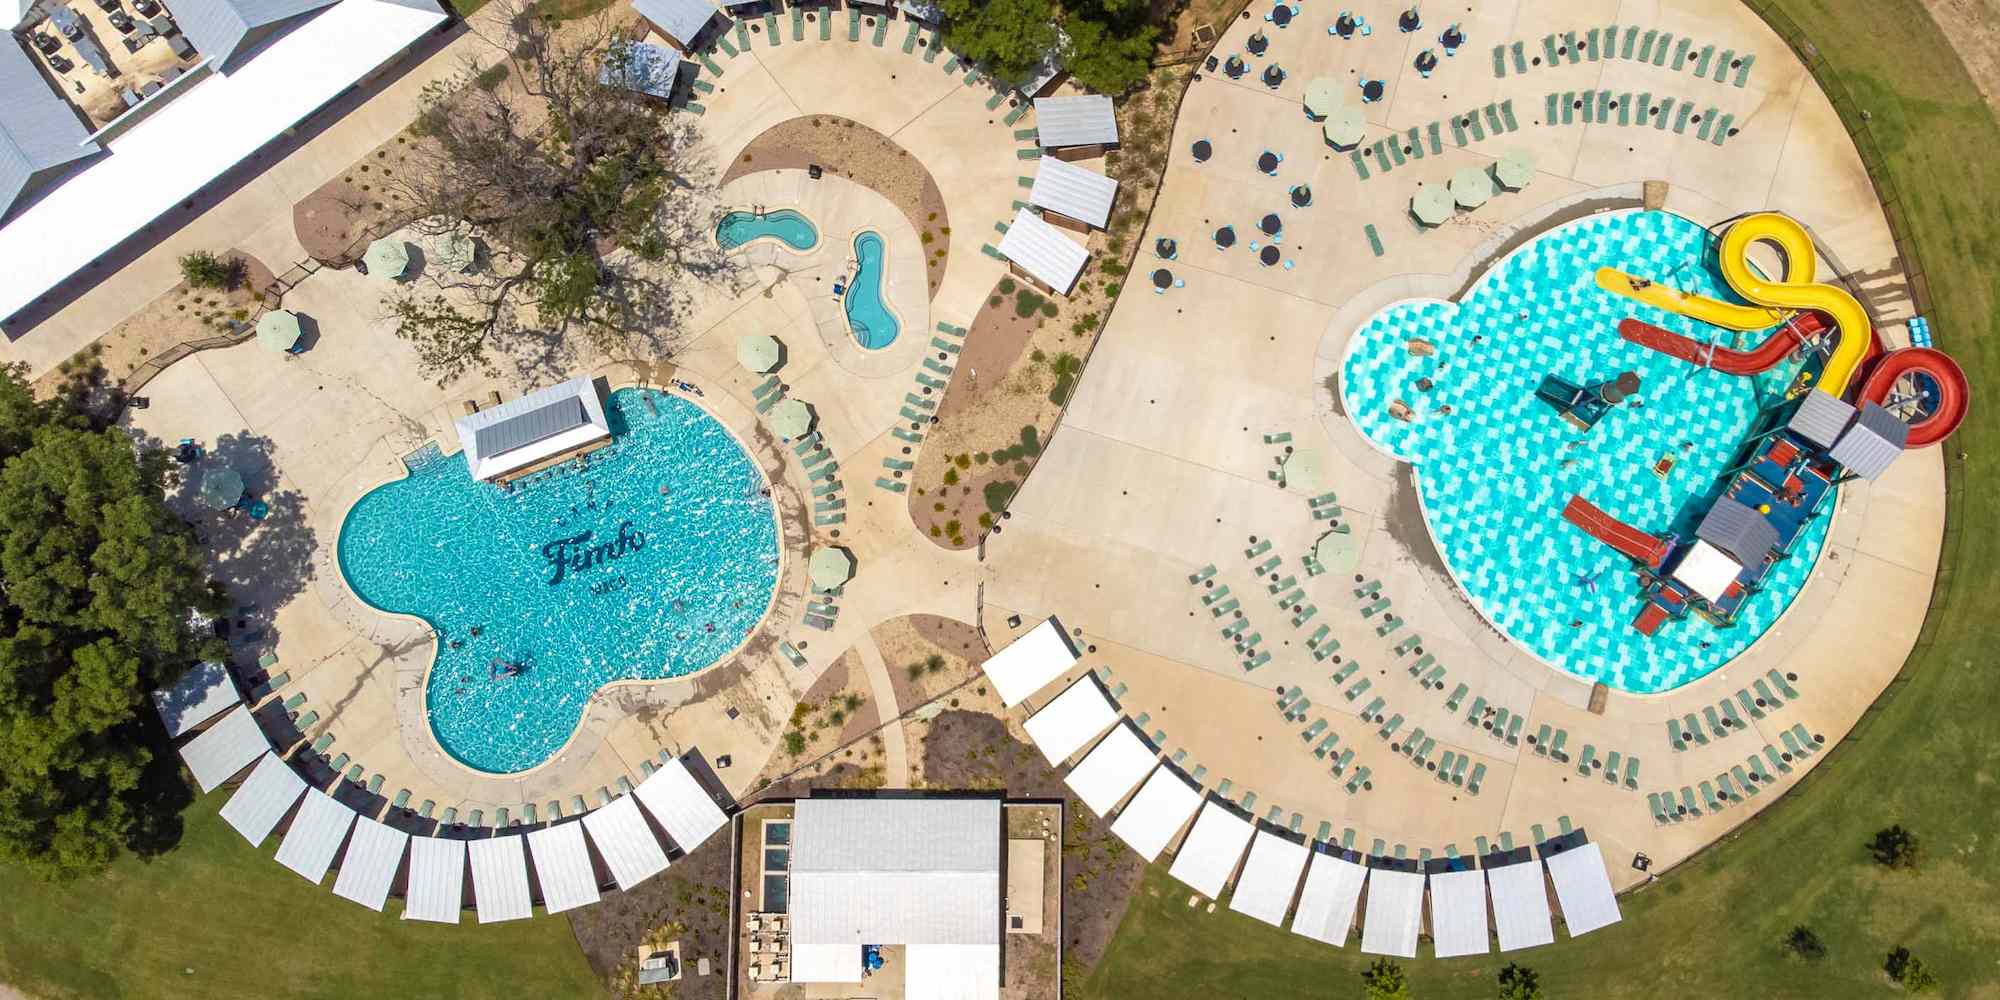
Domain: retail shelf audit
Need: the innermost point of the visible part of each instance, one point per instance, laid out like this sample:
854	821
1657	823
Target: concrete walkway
895	752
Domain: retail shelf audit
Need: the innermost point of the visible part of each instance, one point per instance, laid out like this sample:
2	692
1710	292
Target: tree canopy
1107	45
1008	37
97	582
1108	57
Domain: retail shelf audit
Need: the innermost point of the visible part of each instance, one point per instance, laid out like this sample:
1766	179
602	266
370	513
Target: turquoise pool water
787	226
1495	470
868	316
651	584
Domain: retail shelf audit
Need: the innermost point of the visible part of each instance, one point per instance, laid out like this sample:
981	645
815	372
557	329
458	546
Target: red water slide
1952	391
1766	355
1648	549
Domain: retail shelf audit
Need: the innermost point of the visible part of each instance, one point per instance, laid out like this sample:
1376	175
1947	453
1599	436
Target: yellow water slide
1772	300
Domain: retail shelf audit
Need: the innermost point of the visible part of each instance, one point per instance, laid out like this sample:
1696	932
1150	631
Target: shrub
1384	980
986	520
994	301
926	238
980	457
1026	303
1111	288
205	270
1031	438
1037	356
1007	286
1895	847
963	461
916	669
853	701
934	663
1805	944
950	476
1112	268
998	493
795	742
490	78
1049	309
1060	393
1518	982
953	528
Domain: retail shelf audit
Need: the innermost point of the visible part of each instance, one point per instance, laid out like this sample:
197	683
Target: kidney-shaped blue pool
868	314
654	559
784	225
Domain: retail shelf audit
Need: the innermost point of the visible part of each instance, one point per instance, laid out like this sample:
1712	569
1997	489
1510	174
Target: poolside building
1073	197
39	131
681	22
1042	254
1076	127
541	429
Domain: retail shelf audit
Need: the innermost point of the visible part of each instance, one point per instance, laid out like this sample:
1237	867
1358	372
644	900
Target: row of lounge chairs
1473	126
1729	722
1647	45
1599	106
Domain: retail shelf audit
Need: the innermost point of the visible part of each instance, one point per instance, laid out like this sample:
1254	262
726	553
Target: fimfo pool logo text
575	553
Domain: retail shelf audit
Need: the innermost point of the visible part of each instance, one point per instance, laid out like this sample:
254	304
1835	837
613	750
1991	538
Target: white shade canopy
1327	904
374	853
1073	719
1583	888
627	844
791	418
1164	803
758	352
225	748
263	799
1345	126
681	805
1322	96
830	566
1270	877
1110	770
1432	204
562	866
1520	905
437	880
1212	849
1030	662
1471	187
316	835
278	330
500	879
1395	908
1458	913
387	258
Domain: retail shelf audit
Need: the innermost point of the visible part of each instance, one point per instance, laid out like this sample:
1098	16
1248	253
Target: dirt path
895	754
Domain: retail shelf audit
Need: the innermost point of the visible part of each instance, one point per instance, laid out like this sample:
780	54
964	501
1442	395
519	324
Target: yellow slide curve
1773	300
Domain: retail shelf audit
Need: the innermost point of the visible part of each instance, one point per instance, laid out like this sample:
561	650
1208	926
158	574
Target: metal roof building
225	748
680	20
1212	849
650	69
368	869
1071	720
539	426
1030	662
1080	120
38	129
1042	252
681	805
201	694
219	28
1103	777
1820	418
1073	192
1164	803
315	836
263	799
437	880
1739	531
1871	445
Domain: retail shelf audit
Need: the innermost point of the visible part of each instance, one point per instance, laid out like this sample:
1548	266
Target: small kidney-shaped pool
868	316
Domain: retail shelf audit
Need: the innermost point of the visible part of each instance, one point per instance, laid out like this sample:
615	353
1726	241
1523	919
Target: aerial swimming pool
1494	466
868	315
784	225
654	560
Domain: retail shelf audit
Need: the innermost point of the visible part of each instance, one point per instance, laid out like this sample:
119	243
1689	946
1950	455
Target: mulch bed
694	892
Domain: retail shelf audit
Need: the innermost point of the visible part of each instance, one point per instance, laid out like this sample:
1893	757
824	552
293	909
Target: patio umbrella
1202	150
1281	15
1257	43
387	258
457	252
278	330
1371	90
758	353
1345	127
1267	162
1344	25
1301	196
1166	248
1410	20
1471	187
1225	237
1338	552
221	488
1271	225
1516	169
791	419
1234	67
1163	279
830	567
1426	61
1274	76
1268	256
1431	204
1322	96
1452	37
1304	472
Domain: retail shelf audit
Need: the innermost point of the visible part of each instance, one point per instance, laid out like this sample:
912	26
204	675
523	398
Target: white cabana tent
1212	849
500	879
224	749
1108	772
368	869
1270	878
263	799
1520	905
1458	913
681	805
1030	662
315	836
1326	906
1583	889
201	694
626	842
1070	721
1164	803
562	866
1395	908
952	971
437	880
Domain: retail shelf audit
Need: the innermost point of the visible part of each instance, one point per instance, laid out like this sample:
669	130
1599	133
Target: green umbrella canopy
1516	169
387	258
1322	96
1431	204
791	419
278	330
456	252
1344	127
1338	552
1304	472
758	352
1471	187
830	567
221	488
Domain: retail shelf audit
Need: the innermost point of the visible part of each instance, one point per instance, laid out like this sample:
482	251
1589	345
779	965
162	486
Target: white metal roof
1104	775
1520	905
500	879
680	20
1212	849
895	907
626	842
1395	908
1326	906
201	694
1583	889
1042	250
1078	192
826	963
263	798
437	880
193	139
1085	120
315	836
952	971
562	866
1028	663
221	750
1164	803
539	425
1270	878
1070	721
368	869
681	805
896	871
1458	913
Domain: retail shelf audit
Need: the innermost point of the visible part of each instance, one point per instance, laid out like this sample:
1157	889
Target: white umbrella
830	567
1345	126
387	258
1322	96
758	352
278	330
1431	204
1515	169
791	419
1471	187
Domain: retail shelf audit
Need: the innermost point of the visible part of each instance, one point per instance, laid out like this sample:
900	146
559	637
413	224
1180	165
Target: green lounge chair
402	800
1611	762
1340	676
1587	758
1541	740
1779	681
1457	697
1632	773
1556	752
1675	737
1478	775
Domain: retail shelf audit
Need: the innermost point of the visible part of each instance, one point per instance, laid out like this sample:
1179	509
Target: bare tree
597	200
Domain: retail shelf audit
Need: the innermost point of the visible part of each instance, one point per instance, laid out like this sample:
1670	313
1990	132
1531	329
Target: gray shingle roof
38	130
1738	530
680	20
1075	121
218	27
1872	444
538	424
1077	192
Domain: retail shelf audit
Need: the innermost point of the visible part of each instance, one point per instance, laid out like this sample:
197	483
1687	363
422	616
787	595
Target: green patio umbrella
791	419
457	252
387	258
1471	187
1338	551
221	488
830	567
1305	472
1515	169
1431	204
1322	96
1345	126
278	330
758	352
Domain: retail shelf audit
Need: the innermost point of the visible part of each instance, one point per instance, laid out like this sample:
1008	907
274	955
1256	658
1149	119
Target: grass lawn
1929	759
250	928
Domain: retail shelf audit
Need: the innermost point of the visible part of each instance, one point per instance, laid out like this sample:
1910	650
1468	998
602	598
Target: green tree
97	582
1384	980
1911	971
1007	37
1107	56
1895	847
1805	944
1518	982
202	269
